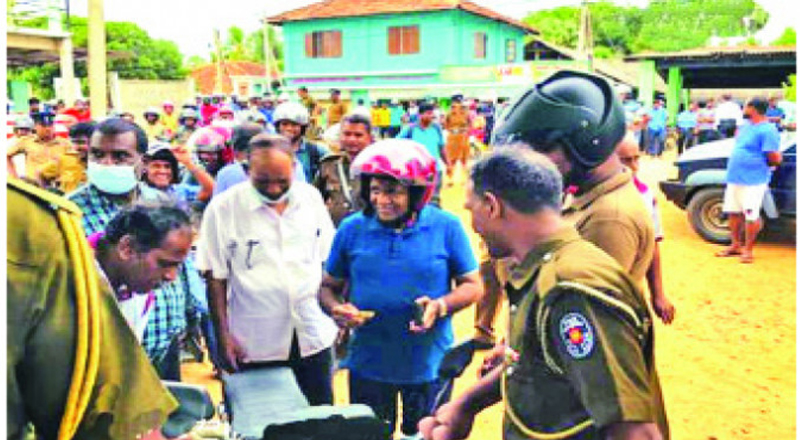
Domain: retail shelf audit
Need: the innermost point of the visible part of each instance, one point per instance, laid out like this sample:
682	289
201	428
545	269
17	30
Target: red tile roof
205	76
357	8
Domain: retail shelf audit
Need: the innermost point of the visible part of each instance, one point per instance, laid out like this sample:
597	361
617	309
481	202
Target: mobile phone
418	313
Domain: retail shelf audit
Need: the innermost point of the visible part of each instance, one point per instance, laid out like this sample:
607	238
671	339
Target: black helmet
576	109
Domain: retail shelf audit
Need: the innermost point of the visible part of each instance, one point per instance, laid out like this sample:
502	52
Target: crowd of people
231	224
702	121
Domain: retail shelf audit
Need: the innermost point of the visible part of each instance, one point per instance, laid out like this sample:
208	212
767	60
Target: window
403	40
324	44
480	45
511	50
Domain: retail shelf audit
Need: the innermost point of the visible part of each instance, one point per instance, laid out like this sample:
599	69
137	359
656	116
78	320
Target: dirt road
727	363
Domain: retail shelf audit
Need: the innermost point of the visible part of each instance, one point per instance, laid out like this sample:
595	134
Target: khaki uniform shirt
584	338
613	217
336	112
128	398
457	120
341	193
67	174
38	154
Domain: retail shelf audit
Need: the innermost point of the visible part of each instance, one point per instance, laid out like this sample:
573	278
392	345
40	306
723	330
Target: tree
790	89
787	38
665	25
239	46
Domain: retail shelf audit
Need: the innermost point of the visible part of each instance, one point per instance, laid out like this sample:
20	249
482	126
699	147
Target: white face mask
270	201
112	179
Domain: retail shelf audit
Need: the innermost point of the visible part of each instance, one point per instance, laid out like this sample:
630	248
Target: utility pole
267	55
97	59
218	50
585	41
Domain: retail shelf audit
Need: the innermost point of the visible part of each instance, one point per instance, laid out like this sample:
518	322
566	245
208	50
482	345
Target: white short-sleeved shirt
273	267
729	110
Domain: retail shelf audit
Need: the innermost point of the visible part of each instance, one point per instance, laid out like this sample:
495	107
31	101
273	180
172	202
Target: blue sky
190	23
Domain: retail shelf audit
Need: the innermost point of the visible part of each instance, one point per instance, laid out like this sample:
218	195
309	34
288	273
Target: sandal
728	253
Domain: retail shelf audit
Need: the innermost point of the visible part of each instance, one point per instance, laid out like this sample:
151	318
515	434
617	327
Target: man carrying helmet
400	257
580	361
292	121
576	121
152	126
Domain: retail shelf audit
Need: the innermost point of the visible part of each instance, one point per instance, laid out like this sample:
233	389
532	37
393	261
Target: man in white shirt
265	242
729	115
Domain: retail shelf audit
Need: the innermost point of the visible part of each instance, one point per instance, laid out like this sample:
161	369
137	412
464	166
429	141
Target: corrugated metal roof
711	52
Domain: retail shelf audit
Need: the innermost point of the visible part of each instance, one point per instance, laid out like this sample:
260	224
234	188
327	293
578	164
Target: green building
403	49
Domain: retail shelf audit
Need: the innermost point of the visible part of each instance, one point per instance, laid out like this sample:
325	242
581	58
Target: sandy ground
727	363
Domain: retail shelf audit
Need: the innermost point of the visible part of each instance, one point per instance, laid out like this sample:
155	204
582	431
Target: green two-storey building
402	49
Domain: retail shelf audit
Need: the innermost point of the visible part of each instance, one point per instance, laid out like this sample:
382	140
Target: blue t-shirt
387	271
396	116
658	119
687	119
748	162
430	137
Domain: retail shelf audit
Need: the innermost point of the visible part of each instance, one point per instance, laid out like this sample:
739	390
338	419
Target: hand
451	422
664	309
232	353
182	154
349	316
431	310
495	358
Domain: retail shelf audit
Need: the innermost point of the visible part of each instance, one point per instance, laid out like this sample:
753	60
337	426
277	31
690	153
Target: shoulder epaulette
55	201
331	156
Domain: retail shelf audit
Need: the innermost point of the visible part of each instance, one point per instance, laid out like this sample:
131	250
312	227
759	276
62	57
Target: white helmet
291	111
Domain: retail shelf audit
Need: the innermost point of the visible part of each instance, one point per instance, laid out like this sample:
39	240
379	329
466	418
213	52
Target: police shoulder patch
577	335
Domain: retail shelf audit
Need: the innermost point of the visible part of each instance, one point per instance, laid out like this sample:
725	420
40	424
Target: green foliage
790	89
241	46
665	25
787	38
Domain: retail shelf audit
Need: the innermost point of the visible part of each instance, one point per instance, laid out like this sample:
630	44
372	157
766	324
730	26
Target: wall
466	24
137	95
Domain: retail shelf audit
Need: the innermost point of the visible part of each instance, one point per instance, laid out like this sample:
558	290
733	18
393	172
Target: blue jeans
656	138
418	400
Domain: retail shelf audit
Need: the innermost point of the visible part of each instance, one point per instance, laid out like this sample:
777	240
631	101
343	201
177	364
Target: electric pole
585	40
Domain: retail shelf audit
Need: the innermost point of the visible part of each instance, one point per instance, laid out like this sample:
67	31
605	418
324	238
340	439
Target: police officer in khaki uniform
580	362
575	120
457	123
41	149
339	189
89	381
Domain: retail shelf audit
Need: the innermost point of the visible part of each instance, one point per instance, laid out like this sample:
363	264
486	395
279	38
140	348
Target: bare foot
729	252
746	258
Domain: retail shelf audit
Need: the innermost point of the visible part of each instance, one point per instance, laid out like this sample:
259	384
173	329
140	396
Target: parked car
700	187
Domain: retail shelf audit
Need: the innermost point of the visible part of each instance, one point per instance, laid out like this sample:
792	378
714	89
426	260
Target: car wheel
706	216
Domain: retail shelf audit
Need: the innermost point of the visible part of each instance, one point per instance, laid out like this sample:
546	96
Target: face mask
112	179
270	201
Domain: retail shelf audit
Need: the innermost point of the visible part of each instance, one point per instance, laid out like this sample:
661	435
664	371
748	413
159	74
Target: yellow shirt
39	154
384	117
170	122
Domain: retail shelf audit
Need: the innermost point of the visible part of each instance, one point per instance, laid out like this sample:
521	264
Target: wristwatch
442	307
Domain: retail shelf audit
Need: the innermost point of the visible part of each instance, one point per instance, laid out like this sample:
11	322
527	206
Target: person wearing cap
292	121
575	120
41	150
337	109
34	106
400	256
169	119
23	126
314	111
264	243
189	122
162	165
580	361
152	125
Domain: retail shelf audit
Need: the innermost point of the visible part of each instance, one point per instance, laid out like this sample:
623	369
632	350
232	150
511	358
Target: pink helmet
402	159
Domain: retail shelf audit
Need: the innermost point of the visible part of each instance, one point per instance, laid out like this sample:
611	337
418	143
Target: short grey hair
525	179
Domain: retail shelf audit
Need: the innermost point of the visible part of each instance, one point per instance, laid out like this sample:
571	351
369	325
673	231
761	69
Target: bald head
628	152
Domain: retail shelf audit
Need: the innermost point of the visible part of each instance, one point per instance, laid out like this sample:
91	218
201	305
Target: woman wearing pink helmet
399	256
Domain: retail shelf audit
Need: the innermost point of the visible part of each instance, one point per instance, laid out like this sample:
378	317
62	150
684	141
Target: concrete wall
137	95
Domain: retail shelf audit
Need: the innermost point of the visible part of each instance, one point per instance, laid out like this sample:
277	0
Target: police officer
339	190
41	149
580	363
575	120
52	285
